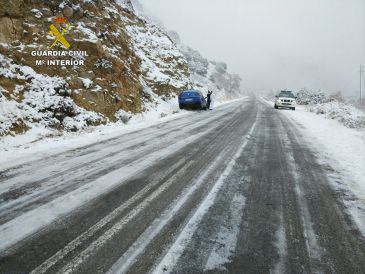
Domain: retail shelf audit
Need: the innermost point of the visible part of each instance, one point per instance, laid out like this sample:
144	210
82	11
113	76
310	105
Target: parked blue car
192	99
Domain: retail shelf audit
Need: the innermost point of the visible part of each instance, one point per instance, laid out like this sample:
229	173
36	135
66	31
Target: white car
285	99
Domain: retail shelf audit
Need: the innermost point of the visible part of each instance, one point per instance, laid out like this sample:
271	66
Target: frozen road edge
340	148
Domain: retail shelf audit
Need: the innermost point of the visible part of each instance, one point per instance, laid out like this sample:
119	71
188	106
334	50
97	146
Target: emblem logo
59	34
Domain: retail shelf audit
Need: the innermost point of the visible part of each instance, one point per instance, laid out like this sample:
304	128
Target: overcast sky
274	44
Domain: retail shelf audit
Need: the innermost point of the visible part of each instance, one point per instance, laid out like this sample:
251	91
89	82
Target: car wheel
276	107
292	108
181	107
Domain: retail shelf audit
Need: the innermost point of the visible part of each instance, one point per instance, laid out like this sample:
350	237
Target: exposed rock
87	74
10	29
12	8
47	12
68	12
75	83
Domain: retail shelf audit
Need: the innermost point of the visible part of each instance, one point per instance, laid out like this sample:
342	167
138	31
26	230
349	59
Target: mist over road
233	190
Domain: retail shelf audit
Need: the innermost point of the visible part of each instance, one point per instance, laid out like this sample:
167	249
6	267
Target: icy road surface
233	190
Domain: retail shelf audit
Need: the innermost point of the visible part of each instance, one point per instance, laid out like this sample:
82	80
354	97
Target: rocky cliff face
130	62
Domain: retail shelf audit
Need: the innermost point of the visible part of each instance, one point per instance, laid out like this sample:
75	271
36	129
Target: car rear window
190	93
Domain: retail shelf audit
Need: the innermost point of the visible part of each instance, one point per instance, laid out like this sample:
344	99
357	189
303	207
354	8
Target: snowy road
233	190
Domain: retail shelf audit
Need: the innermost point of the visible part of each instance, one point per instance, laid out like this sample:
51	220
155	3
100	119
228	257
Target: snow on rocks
46	102
159	56
87	83
10	114
87	32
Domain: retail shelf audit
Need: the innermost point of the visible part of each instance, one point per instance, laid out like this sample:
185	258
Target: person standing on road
209	98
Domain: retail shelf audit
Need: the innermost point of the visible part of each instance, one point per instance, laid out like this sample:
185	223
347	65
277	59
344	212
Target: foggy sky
274	44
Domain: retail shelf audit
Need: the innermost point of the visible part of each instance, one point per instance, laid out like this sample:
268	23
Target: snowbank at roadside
346	114
340	147
39	141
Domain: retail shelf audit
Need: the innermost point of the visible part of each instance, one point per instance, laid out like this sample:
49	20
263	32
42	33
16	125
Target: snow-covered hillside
205	74
132	66
211	75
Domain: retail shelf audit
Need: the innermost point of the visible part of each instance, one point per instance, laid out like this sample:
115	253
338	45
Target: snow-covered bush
337	96
10	115
333	107
123	116
103	64
306	97
348	115
197	63
82	120
221	67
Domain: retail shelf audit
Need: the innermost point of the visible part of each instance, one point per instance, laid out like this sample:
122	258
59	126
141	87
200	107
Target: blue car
192	99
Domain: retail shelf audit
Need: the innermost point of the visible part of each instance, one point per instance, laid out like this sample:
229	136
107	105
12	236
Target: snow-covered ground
341	148
40	142
346	114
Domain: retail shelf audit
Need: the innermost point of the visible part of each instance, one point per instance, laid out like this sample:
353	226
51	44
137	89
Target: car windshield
286	94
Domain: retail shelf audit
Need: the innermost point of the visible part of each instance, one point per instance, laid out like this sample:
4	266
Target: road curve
233	190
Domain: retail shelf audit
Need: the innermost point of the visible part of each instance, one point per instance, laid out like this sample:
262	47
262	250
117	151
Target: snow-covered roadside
40	142
346	114
341	148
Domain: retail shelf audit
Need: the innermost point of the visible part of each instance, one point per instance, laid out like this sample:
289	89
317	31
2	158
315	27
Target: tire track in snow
99	167
30	222
175	251
327	220
109	234
60	255
226	240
